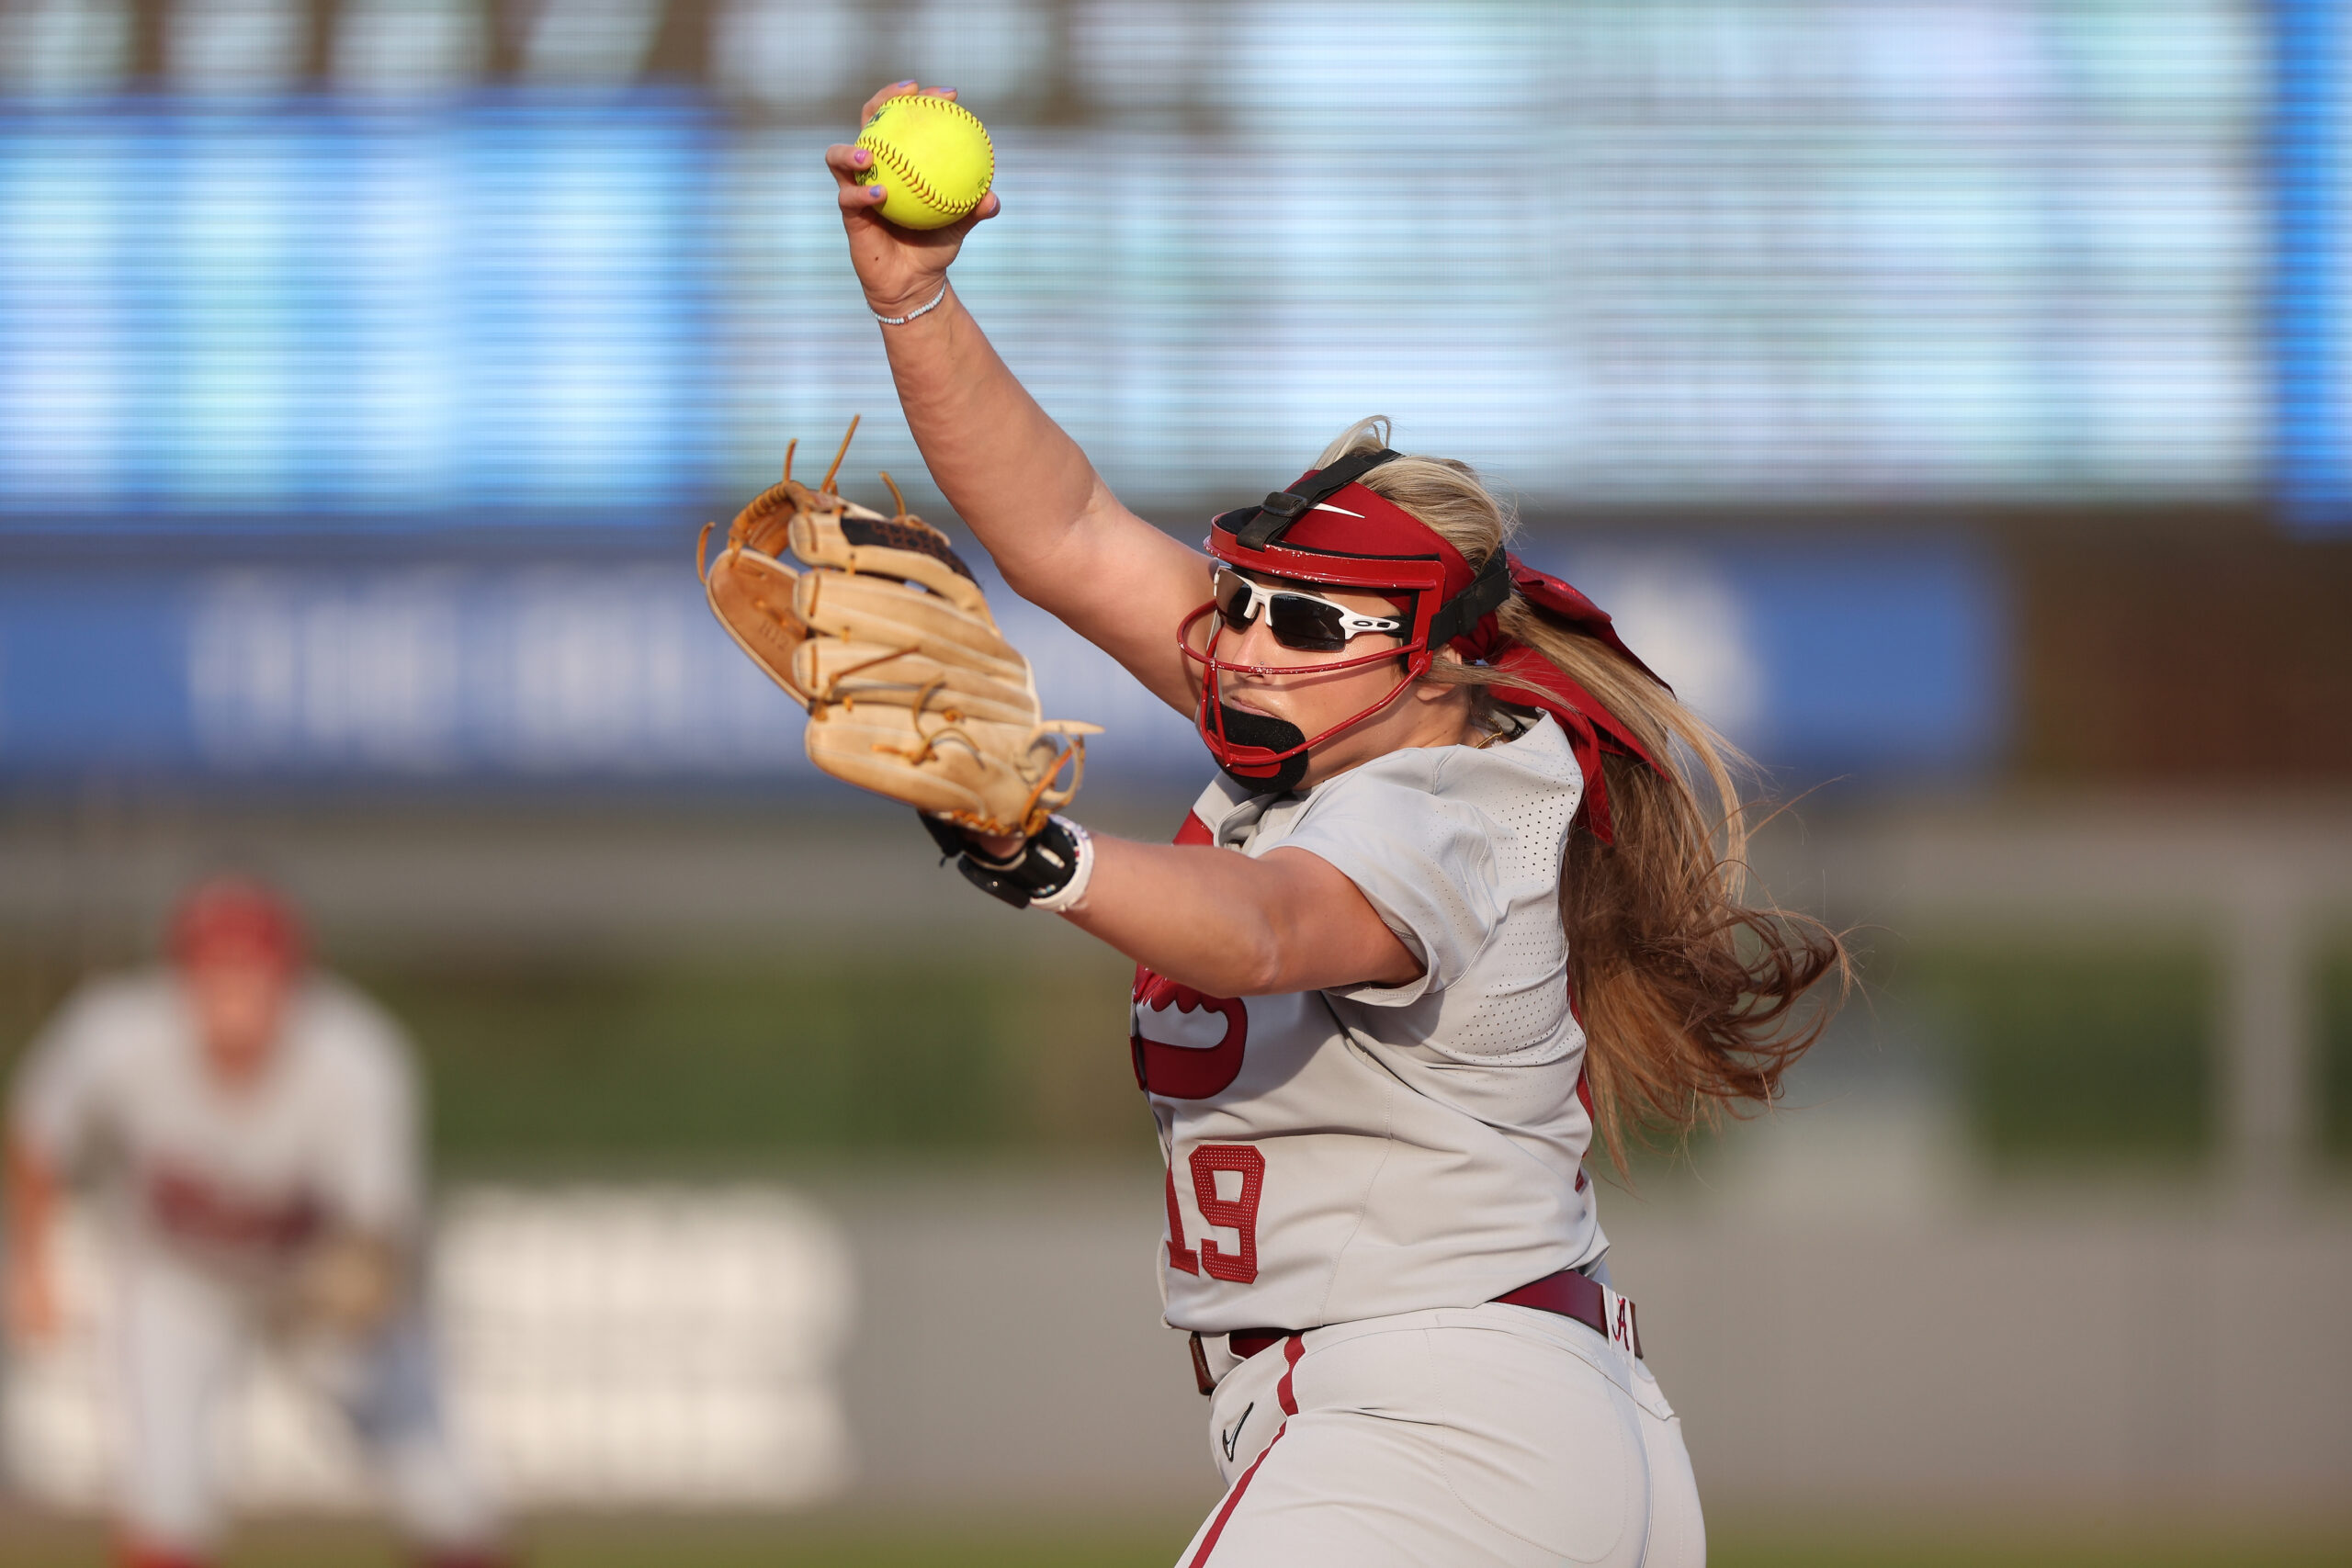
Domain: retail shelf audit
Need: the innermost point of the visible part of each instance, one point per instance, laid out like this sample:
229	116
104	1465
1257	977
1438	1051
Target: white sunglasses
1303	621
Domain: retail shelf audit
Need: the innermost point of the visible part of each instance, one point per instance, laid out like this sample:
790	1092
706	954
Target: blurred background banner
1885	658
1952	397
609	1349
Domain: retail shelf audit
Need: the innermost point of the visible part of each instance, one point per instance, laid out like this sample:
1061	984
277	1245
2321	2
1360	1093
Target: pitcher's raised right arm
1061	538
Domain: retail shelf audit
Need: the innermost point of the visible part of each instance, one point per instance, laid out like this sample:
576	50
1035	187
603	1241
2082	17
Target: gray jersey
1370	1150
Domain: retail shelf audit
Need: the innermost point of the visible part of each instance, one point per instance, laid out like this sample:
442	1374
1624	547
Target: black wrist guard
1050	867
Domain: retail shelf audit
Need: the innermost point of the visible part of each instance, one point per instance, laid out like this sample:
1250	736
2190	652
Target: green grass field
2082	1056
927	1541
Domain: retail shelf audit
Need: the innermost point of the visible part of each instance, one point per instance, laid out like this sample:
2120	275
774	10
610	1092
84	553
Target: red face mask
1330	530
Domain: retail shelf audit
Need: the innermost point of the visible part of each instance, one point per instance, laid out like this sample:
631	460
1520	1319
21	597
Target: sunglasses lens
1298	621
1309	624
1232	594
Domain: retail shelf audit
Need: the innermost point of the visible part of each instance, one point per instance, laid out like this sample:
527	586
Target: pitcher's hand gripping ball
931	157
885	637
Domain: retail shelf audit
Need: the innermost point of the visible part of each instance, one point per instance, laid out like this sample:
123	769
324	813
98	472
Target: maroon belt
1567	1292
1571	1294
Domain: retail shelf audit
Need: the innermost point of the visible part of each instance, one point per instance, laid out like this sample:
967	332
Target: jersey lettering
1237	1214
1186	1045
1181	1259
184	1204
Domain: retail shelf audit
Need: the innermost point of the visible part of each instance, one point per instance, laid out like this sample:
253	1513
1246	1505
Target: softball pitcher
1462	894
250	1123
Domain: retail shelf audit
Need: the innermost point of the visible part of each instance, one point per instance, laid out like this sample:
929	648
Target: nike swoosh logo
1233	1438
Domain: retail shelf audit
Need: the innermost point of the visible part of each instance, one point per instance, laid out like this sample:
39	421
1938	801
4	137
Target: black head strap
1466	609
1284	507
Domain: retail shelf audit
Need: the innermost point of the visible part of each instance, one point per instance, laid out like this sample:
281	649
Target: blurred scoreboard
224	316
2314	303
423	371
1724	254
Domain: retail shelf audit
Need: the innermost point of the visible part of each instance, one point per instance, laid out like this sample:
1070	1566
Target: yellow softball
932	158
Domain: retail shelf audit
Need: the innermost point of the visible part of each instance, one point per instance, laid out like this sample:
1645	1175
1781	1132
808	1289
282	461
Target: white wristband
936	300
1073	890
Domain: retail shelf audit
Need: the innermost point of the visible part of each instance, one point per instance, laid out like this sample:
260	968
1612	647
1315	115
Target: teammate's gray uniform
209	1192
1377	1164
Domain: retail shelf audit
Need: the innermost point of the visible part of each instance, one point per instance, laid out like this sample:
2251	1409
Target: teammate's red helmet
225	917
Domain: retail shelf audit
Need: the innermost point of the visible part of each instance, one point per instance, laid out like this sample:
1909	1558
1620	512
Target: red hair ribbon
1533	681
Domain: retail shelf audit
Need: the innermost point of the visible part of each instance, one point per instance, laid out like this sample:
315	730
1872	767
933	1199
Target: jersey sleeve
58	1097
1424	862
375	1172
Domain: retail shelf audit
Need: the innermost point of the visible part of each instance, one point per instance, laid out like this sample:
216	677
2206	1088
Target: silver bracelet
936	300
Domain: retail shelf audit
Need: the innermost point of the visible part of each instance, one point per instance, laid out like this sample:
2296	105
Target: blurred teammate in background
250	1124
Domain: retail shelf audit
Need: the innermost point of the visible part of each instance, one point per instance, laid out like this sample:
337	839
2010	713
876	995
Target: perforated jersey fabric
1459	850
1341	1155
